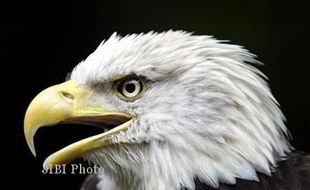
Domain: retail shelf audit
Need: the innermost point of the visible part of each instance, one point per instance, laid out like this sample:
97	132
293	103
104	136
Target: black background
46	40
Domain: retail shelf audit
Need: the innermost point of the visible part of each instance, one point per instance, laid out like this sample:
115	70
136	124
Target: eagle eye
129	88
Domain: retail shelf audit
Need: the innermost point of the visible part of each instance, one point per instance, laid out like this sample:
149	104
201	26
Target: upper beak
71	103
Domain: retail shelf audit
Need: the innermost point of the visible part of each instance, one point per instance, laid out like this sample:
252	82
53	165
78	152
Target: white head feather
207	113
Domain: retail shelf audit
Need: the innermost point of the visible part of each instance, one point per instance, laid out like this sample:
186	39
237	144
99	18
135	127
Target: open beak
71	103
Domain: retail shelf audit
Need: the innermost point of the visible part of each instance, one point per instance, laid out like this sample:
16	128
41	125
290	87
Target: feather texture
291	174
207	113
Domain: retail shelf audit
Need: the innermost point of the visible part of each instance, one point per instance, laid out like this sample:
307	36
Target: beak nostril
67	95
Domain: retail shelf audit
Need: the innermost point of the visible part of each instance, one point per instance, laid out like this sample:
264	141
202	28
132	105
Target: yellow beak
71	103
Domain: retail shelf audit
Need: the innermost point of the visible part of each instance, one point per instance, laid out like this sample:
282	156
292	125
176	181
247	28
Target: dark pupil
130	87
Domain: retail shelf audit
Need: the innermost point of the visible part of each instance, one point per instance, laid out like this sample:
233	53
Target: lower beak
71	103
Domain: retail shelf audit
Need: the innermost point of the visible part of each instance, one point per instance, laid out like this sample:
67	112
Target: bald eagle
180	111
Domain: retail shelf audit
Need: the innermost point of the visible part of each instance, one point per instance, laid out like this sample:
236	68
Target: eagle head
175	107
